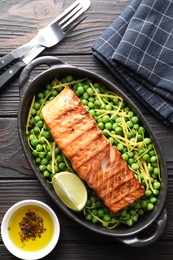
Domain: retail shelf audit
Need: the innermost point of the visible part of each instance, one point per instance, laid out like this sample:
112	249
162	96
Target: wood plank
20	20
102	251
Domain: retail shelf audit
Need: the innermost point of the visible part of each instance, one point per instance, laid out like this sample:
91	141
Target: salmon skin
91	154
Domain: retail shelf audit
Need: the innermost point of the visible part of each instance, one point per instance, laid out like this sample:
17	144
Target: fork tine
73	25
66	12
70	15
71	19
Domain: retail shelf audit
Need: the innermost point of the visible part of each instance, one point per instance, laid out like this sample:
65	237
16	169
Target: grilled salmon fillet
91	154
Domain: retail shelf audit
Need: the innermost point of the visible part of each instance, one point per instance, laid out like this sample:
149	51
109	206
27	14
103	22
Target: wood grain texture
20	20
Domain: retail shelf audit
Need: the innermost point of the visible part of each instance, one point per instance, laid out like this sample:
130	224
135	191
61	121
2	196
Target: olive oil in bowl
30	229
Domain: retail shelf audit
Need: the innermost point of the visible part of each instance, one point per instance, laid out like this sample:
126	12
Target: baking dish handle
140	242
50	61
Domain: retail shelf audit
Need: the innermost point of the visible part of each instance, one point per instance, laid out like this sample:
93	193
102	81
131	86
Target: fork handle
7	59
10	73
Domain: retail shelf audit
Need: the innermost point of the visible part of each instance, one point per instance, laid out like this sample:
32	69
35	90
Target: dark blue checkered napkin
138	49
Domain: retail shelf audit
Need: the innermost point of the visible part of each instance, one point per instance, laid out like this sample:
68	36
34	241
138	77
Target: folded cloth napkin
138	49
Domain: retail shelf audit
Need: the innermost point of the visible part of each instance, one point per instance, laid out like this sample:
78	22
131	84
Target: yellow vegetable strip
29	115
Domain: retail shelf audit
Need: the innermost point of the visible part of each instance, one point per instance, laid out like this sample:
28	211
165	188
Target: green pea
34	153
105	119
108	126
130	114
49	87
140	212
150	168
85	102
153	158
118	130
46	174
46	92
101	125
129	222
153	200
38	160
143	204
36	106
54	93
136	205
136	126
139	137
92	112
105	132
94	220
40	124
125	156
147	140
108	107
59	158
40	95
89	202
80	90
85	95
100	213
135	217
150	206
37	118
130	161
120	147
134	166
123	212
33	111
148	193
97	103
69	78
98	204
62	166
42	168
129	124
146	157
156	185
156	171
39	148
34	142
46	134
88	217
44	161
90	91
107	218
41	155
141	130
135	119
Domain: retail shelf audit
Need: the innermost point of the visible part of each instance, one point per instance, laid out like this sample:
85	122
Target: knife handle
10	73
7	59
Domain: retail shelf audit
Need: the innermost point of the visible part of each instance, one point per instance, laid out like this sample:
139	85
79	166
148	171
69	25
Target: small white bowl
19	252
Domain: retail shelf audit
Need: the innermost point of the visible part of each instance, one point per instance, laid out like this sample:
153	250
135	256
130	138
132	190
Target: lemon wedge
70	189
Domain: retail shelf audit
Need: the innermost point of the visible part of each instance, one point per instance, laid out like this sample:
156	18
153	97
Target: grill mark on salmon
127	200
91	154
77	145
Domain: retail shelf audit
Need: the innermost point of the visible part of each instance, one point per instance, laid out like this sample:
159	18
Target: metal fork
52	33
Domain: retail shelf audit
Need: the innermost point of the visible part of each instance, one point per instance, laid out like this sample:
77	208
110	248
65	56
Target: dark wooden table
19	21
